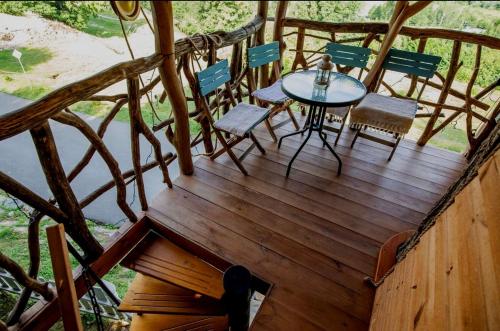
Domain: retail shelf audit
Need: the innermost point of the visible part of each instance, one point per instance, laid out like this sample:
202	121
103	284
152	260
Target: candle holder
323	72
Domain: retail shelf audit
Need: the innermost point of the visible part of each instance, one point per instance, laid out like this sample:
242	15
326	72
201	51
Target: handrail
37	112
382	28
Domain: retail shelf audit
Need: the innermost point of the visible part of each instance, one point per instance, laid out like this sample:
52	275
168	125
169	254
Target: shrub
73	13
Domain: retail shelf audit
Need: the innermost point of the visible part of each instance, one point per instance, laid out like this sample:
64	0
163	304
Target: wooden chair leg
394	148
292	117
340	131
270	129
257	143
230	152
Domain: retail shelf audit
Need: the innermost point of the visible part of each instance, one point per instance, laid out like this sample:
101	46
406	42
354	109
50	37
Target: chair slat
213	77
348	55
428	58
413	63
263	54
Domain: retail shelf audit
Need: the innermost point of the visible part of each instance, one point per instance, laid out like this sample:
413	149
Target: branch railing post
278	36
260	38
61	189
450	76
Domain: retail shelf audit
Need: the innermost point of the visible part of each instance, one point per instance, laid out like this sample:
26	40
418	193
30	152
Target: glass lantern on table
323	72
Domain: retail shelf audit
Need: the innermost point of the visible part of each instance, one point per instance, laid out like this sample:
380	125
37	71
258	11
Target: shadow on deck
315	236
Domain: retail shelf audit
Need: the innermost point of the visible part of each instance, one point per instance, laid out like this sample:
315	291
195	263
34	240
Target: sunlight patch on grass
107	25
31	58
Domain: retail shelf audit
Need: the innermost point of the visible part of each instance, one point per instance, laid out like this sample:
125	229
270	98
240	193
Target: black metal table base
314	122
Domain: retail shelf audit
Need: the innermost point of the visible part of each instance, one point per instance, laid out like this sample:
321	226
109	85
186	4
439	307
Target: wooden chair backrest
213	77
347	55
412	63
210	79
263	54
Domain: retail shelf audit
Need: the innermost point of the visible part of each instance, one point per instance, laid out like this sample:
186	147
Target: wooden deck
314	236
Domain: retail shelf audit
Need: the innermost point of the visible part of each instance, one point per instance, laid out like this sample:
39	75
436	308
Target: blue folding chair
237	122
393	115
263	55
351	56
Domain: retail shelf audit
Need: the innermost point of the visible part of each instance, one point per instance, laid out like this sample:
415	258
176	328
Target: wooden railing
371	34
64	207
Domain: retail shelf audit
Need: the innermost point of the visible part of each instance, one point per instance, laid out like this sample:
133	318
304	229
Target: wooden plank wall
451	279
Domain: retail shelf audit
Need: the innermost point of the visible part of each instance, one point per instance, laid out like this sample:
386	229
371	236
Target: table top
342	91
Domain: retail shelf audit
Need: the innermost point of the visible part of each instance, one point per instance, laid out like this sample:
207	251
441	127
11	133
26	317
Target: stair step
149	295
157	257
155	322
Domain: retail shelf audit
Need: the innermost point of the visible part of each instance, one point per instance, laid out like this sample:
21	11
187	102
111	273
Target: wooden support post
20	275
278	36
59	185
402	12
468	96
299	55
450	76
63	277
260	39
69	118
164	43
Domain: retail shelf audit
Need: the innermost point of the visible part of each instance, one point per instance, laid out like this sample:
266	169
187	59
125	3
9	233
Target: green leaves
209	16
73	13
324	11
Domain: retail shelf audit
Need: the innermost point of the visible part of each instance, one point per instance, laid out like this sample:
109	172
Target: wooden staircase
173	289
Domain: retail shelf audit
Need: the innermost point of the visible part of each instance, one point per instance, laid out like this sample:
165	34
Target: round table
342	91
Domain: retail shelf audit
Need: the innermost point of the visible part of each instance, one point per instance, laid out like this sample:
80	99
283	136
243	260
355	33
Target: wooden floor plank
314	236
408	147
357	159
307	216
380	153
340	195
375	175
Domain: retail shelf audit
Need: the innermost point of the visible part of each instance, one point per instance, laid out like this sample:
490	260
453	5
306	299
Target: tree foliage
459	15
325	11
209	16
73	13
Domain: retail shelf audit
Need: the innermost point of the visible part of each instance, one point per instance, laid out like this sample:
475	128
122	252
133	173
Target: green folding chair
238	122
390	114
351	56
263	55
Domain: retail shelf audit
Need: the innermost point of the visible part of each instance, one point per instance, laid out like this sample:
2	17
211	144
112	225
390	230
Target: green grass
14	243
449	138
31	58
31	92
107	25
